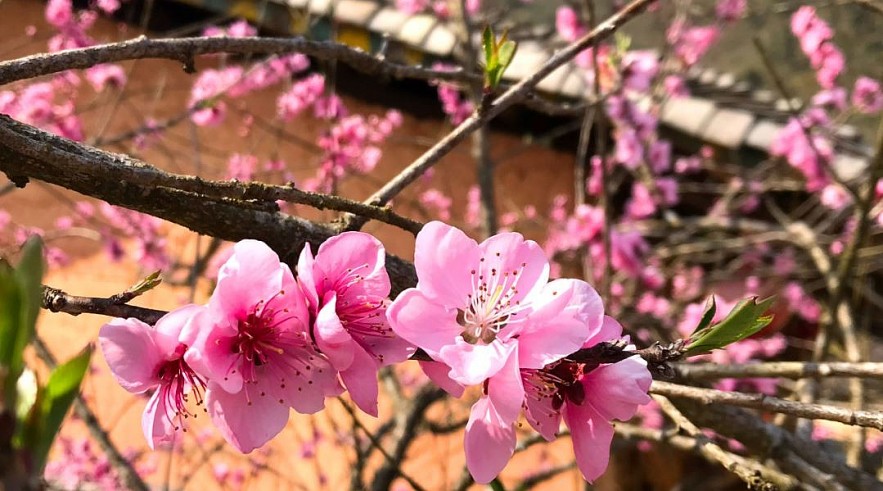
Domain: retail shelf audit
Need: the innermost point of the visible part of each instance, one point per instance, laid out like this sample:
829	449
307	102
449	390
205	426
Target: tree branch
27	152
711	451
869	419
516	93
56	300
780	369
185	50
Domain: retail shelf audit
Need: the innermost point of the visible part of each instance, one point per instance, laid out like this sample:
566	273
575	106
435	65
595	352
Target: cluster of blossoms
815	38
267	342
805	142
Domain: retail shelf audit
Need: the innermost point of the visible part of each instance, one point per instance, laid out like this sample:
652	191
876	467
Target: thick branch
27	152
185	50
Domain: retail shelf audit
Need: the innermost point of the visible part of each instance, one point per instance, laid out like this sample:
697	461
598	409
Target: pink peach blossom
142	357
588	398
346	287
486	311
252	344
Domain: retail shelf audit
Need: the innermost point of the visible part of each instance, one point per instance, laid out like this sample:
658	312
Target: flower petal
610	330
443	257
474	363
306	391
389	349
156	422
306	277
170	326
331	337
489	442
131	353
506	390
246	423
211	354
591	435
556	326
354	252
423	322
510	253
540	413
615	391
252	275
361	381
438	374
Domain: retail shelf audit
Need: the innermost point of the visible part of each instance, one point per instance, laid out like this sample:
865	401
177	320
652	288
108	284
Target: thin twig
709	449
56	300
868	419
689	444
515	94
779	369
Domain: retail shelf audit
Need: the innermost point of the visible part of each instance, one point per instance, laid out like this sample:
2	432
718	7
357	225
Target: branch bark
29	153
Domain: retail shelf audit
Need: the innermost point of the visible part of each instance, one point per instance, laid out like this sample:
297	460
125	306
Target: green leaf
20	300
146	284
489	43
744	320
498	55
60	392
10	319
29	276
707	317
506	53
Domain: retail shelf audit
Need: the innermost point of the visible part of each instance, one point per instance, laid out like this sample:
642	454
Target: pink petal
615	391
251	275
508	252
609	331
506	390
489	442
558	324
168	328
542	416
591	435
361	381
306	277
444	257
389	350
306	393
156	422
423	322
131	353
211	354
331	337
245	425
438	374
355	251
474	363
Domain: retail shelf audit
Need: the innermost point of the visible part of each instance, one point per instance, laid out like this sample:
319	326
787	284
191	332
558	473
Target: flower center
493	303
273	350
177	381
